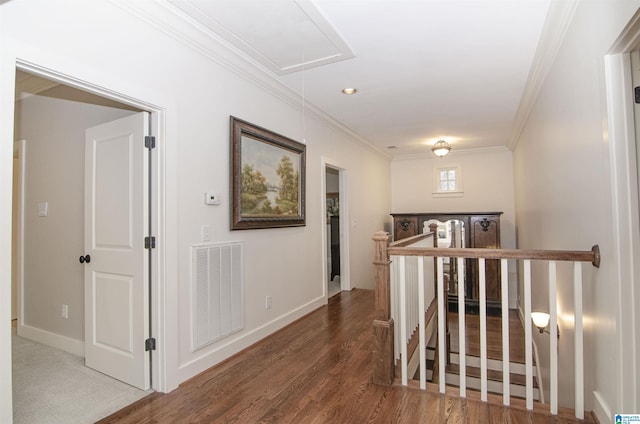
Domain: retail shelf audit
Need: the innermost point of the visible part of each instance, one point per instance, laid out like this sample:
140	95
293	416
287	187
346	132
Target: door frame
625	214
345	273
164	186
19	152
154	119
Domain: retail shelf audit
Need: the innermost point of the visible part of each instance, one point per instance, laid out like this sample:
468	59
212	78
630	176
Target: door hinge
150	242
150	344
636	92
149	141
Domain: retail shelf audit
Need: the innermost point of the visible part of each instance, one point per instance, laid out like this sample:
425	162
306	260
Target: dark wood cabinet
481	229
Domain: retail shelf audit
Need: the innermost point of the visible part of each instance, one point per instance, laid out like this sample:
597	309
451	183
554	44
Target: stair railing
384	323
410	302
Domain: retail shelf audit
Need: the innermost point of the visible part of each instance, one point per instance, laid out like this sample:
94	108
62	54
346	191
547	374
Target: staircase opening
494	355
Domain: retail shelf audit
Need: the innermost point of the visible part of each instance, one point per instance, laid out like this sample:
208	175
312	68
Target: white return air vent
217	292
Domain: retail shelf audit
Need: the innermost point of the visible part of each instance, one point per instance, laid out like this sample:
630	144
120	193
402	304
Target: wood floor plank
316	370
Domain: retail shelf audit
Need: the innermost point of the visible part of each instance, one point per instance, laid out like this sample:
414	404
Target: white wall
100	43
54	130
487	178
563	186
333	181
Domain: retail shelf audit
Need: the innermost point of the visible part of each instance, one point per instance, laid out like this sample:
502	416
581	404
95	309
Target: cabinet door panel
485	232
405	227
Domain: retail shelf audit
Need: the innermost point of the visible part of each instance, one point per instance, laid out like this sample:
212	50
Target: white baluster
422	344
393	285
578	349
528	354
462	329
553	343
504	289
411	289
403	320
441	327
483	329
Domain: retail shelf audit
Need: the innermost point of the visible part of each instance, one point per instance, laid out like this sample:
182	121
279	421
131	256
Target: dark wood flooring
317	370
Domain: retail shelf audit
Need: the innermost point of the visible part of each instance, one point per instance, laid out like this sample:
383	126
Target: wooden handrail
383	325
592	255
411	240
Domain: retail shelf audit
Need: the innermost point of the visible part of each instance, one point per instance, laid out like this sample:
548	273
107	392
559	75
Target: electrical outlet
267	302
65	311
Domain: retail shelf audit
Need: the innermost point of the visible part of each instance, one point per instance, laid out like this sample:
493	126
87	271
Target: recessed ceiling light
349	91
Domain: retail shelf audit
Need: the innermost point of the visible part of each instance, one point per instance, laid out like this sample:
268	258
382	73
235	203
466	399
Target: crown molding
175	23
453	153
555	28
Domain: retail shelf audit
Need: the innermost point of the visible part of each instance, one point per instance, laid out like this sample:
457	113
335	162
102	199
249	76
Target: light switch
43	209
206	233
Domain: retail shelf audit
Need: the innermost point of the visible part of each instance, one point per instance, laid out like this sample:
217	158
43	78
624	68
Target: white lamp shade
441	148
540	319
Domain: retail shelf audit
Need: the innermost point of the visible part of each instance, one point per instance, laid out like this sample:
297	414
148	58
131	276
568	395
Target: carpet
52	386
333	286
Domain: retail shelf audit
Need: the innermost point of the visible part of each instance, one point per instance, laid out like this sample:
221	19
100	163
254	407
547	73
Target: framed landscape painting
267	178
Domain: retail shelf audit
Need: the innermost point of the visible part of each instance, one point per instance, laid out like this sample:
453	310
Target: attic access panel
284	36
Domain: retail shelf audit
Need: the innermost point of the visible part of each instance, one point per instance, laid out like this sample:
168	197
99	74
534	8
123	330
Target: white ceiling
424	69
459	70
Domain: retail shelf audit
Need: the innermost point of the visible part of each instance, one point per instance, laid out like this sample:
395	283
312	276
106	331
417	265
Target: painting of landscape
270	180
267	178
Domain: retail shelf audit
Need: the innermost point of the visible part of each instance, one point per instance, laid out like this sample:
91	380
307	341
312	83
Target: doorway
335	233
50	294
622	76
332	185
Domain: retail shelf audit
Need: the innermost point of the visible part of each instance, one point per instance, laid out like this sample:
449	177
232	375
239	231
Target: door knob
85	258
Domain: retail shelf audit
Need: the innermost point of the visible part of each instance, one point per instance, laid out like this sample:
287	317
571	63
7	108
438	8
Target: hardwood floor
316	370
494	336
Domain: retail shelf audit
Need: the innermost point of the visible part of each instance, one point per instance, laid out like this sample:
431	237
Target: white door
116	271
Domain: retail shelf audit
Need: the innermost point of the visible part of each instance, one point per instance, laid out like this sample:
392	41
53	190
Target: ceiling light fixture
441	148
349	91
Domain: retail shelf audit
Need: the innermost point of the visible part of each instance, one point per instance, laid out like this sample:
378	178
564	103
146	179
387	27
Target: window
448	181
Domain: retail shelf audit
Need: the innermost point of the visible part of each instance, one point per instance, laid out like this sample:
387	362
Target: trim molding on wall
213	357
73	346
175	23
601	410
555	27
625	233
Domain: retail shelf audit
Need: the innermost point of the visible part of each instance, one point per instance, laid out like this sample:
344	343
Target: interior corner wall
54	130
563	199
487	182
197	91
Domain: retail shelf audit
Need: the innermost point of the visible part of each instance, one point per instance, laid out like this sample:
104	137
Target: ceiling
424	70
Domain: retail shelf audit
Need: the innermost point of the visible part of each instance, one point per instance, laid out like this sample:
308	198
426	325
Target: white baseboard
600	409
73	346
220	352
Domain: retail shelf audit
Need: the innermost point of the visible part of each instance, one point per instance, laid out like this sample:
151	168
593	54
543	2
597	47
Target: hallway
318	369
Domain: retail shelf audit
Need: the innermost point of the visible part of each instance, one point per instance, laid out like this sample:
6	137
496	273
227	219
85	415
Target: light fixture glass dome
540	320
441	148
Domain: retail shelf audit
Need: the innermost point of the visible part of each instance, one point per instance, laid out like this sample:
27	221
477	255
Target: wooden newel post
383	357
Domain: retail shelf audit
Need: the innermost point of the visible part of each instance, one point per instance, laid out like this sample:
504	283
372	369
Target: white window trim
436	182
